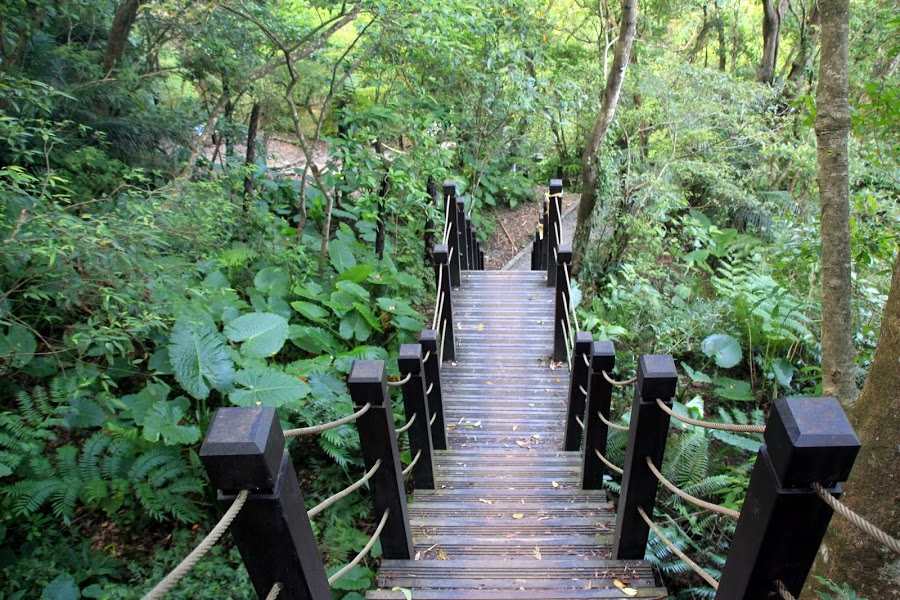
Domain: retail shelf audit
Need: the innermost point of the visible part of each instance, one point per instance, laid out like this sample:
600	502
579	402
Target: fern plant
24	433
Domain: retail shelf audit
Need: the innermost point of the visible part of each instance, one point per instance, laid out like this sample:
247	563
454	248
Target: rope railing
276	589
565	331
783	591
587	361
579	421
711	424
406	427
692	499
425	359
178	573
439	300
582	390
447	222
441	355
860	522
430	387
618	383
606	462
569	285
400	382
433	417
684	557
363	553
610	424
326	426
343	493
412	464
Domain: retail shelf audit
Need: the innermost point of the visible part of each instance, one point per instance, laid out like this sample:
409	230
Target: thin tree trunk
832	130
382	193
809	39
720	31
847	554
771	32
126	14
594	143
429	238
252	129
700	42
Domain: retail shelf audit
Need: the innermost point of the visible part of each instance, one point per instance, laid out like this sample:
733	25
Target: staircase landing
508	519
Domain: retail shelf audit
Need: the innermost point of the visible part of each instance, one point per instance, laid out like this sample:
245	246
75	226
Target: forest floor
515	227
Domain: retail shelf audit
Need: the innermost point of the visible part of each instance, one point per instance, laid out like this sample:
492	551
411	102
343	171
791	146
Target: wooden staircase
508	518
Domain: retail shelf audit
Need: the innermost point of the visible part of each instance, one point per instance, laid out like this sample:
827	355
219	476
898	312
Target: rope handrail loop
427	356
582	390
401	381
610	424
276	589
438	311
565	330
343	493
447	231
430	387
413	463
692	499
711	424
617	383
433	417
863	524
606	462
346	568
579	421
406	427
446	218
326	426
684	557
783	591
452	252
441	355
569	286
587	361
438	299
176	575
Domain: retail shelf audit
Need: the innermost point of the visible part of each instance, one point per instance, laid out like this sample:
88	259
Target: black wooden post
368	385
244	450
783	521
578	382
440	258
656	378
428	338
560	314
415	402
553	225
603	358
470	244
535	248
452	241
459	226
545	220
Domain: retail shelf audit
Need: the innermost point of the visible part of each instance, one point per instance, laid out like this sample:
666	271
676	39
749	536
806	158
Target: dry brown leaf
442	555
618	583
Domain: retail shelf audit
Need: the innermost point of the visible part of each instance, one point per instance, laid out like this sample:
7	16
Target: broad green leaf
17	346
354	289
61	588
140	404
354	325
696	376
733	389
163	421
267	387
311	311
356	274
368	315
310	290
200	359
783	371
83	413
262	334
738	441
314	340
273	281
723	349
341	256
343	362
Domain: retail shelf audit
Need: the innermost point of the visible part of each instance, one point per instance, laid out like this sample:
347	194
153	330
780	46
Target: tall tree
591	155
126	14
848	555
771	34
832	130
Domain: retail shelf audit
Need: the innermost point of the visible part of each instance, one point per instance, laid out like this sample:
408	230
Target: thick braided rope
346	569
343	493
579	421
406	427
607	463
400	382
684	557
326	426
413	463
200	551
433	417
710	424
565	330
617	383
840	508
569	286
610	424
273	593
692	499
783	591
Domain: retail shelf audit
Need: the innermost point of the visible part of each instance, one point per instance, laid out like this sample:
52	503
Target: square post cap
583	342
603	356
440	254
243	448
410	359
428	339
656	377
450	187
556	186
563	253
810	440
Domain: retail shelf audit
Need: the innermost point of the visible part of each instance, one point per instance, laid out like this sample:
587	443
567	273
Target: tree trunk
125	16
847	554
594	143
809	39
720	31
771	33
429	237
832	130
382	194
700	42
252	129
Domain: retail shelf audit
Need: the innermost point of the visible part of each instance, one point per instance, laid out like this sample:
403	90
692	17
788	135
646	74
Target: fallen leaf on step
537	552
485	501
407	593
630	591
518	516
480	326
489	382
556	485
515	427
442	555
520	443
